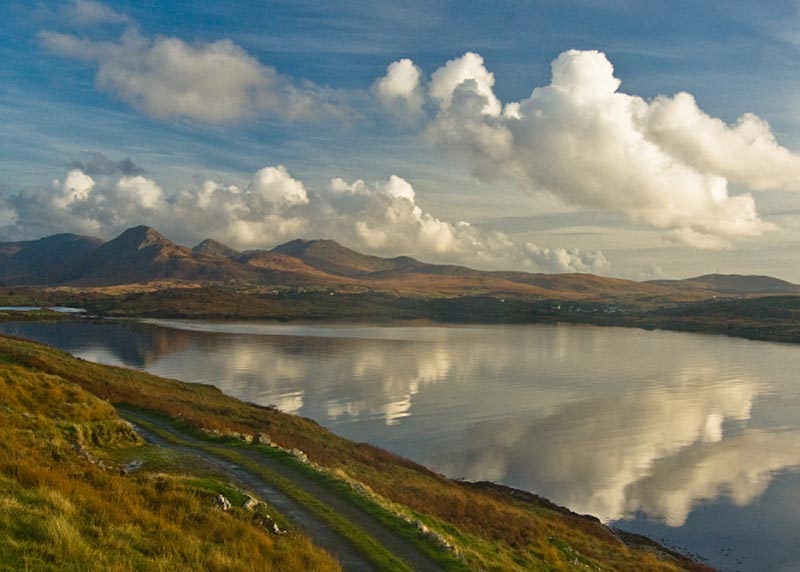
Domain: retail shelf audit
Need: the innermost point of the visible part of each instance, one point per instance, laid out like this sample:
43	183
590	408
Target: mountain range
142	255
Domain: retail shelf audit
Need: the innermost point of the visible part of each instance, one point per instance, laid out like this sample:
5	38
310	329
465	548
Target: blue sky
209	99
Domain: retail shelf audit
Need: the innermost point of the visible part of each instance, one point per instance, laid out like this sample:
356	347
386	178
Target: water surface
692	439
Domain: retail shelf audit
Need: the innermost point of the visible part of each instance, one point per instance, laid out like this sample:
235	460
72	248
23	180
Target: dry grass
62	508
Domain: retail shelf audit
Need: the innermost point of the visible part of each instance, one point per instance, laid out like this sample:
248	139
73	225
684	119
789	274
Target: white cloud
8	216
275	185
76	187
457	72
381	218
563	260
89	13
141	190
400	90
211	82
746	152
664	162
399	188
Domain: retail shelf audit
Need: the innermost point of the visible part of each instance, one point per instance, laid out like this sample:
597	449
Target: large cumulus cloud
380	217
663	162
210	82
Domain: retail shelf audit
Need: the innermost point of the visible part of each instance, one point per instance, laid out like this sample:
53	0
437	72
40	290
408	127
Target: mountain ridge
211	247
141	255
733	284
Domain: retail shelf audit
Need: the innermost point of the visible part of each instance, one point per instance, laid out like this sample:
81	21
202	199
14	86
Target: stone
223	503
300	455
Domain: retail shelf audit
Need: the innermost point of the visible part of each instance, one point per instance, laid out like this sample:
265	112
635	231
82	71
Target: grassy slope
64	504
494	529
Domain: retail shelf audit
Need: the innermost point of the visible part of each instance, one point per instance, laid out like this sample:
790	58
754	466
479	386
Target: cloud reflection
740	468
659	451
547	409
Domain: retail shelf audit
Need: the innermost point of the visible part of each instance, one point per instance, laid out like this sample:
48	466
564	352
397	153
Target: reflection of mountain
134	345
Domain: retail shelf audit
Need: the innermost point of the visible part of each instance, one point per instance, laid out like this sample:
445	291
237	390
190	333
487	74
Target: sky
633	139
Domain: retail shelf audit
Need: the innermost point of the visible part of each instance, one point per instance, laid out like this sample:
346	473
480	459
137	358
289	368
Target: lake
691	439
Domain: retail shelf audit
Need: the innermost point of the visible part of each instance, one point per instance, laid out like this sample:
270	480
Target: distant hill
50	260
210	247
331	257
142	255
732	284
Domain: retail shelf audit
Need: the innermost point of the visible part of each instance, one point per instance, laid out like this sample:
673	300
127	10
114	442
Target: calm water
693	440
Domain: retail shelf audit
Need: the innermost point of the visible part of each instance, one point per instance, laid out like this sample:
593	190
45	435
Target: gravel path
322	534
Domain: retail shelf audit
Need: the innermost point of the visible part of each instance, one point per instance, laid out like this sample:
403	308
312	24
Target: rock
262	439
223	503
297	453
266	521
132	466
246	437
251	503
82	452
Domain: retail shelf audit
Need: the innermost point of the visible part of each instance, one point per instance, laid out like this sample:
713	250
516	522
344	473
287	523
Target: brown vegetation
65	506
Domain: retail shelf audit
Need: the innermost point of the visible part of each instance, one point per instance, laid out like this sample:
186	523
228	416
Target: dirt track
323	535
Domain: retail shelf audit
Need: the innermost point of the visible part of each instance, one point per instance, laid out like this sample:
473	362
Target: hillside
731	284
141	254
64	444
50	260
210	247
75	498
331	257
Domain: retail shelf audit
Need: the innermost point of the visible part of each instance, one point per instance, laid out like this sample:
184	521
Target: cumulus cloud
275	185
567	260
400	90
746	152
80	203
90	13
663	162
212	82
468	69
380	218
